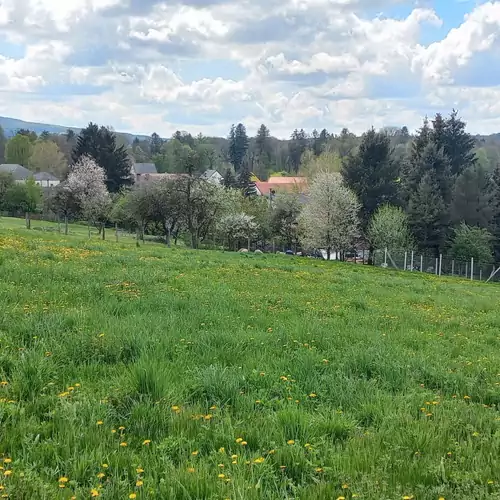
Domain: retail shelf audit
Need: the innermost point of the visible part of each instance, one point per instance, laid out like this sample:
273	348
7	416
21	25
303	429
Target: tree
30	134
100	144
64	203
45	135
18	150
6	182
296	148
330	219
284	221
155	144
25	197
3	142
235	227
47	157
245	182
86	182
326	162
238	146
458	144
389	228
472	242
428	216
473	198
372	174
229	179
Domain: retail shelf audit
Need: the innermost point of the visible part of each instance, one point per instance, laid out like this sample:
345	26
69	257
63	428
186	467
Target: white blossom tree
87	184
235	227
330	220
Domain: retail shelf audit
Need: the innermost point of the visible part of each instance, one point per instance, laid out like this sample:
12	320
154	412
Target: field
174	374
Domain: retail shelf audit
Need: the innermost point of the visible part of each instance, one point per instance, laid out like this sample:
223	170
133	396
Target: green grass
342	380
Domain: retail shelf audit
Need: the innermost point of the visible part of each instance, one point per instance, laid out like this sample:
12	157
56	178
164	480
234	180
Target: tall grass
175	374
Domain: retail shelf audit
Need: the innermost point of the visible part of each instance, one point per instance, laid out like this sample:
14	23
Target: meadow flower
123	444
213	407
312	395
239	440
146	442
220	465
222	450
345	486
101	475
139	483
99	422
243	443
105	466
132	495
7	460
191	469
221	476
259	460
63	479
340	498
94	493
290	441
121	428
7	473
194	453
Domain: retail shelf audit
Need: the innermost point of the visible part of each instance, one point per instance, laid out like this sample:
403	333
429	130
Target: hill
131	372
12	125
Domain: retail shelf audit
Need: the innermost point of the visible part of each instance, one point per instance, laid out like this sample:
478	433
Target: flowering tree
330	219
237	226
87	184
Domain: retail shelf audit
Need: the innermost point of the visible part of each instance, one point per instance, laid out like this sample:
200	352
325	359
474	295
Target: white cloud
290	64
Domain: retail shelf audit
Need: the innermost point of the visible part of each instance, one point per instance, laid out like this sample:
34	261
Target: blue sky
201	65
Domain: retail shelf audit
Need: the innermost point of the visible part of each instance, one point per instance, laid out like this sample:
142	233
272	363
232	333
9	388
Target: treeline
437	190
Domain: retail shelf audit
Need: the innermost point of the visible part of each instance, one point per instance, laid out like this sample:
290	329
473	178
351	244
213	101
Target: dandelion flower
7	460
222	450
146	442
290	441
100	422
340	498
244	443
221	476
259	460
101	475
313	395
220	465
121	428
319	469
94	493
239	440
213	407
105	466
191	469
234	457
139	483
132	495
194	453
7	473
139	470
345	486
490	481
123	444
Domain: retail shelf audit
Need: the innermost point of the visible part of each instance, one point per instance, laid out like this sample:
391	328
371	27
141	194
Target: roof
209	173
19	173
45	176
287	180
170	177
145	168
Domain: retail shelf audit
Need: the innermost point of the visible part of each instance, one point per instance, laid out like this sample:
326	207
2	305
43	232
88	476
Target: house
276	185
212	176
46	179
18	172
141	171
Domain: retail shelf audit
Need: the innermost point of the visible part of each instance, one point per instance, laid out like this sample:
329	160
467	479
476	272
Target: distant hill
12	125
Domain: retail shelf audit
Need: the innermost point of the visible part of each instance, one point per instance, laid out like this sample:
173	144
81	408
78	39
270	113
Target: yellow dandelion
132	495
99	422
176	408
101	475
105	466
243	443
222	450
191	469
121	428
63	479
221	476
139	483
271	452
441	498
345	486
94	493
340	498
123	444
7	460
139	470
146	442
307	445
259	460
194	453
208	417
7	473
213	407
220	465
319	469
62	485
490	481
313	395
290	441
234	457
239	440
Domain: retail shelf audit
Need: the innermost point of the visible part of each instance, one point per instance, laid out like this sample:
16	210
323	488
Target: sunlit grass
176	374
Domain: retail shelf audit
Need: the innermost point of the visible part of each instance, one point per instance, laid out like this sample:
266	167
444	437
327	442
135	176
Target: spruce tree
238	146
372	173
459	145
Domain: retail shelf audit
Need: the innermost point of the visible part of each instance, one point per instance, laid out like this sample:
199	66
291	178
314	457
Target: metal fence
443	265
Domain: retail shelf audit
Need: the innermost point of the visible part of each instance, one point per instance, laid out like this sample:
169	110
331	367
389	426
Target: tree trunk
58	224
66	230
28	220
328	253
103	227
88	227
137	236
116	231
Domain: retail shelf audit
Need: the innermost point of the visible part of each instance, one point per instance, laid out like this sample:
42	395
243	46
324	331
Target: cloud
200	65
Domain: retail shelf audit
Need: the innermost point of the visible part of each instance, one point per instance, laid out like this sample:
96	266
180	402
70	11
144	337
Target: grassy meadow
174	374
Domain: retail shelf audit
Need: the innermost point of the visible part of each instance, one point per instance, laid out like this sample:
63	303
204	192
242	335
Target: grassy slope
391	380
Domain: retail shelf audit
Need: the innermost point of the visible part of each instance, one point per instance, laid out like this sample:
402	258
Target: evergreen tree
459	145
3	142
427	215
229	179
100	144
238	146
155	144
296	148
434	161
473	198
45	135
372	174
245	182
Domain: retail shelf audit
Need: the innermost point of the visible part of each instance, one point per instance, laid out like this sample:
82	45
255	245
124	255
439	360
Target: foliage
285	213
238	146
325	162
18	150
235	227
46	157
6	182
372	173
389	228
330	219
472	242
3	142
23	197
100	144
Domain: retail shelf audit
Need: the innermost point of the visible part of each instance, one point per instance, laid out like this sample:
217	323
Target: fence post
421	263
480	274
406	258
440	263
436	268
472	268
385	257
453	267
411	265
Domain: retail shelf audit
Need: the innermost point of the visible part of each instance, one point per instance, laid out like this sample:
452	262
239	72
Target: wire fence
443	265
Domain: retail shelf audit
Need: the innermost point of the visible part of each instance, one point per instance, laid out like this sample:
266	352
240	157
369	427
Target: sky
144	66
